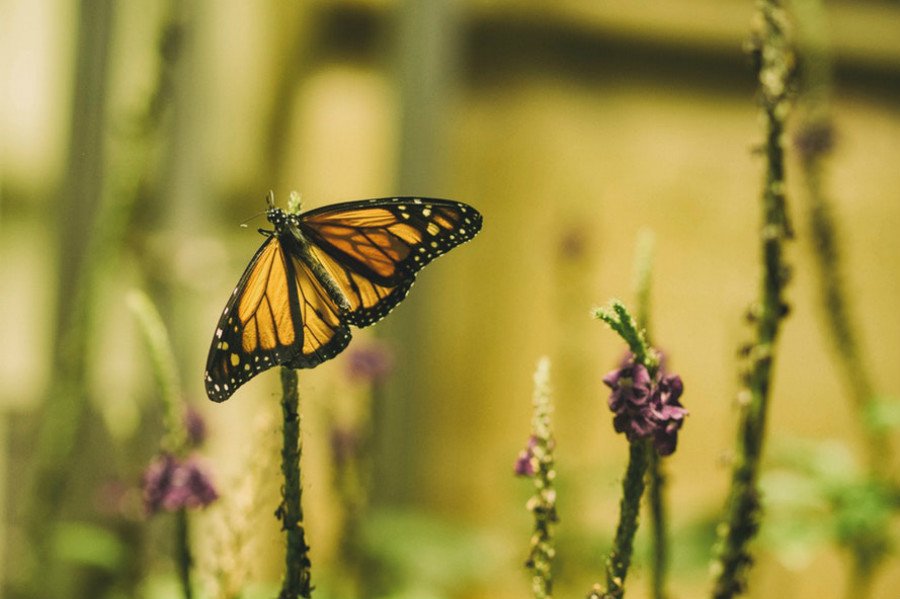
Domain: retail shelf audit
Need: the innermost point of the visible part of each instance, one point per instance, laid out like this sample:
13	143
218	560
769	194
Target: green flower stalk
643	269
740	524
632	489
173	481
813	142
656	478
164	370
645	401
865	541
616	316
297	564
183	558
659	558
536	461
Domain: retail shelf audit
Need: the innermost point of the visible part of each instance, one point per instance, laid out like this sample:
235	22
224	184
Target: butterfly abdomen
297	246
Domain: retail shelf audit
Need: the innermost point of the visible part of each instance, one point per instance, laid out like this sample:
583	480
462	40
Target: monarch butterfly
322	270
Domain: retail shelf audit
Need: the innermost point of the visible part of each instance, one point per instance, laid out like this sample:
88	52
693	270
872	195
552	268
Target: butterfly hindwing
324	332
368	301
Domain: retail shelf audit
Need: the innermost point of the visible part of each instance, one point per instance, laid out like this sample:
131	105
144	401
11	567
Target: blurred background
135	137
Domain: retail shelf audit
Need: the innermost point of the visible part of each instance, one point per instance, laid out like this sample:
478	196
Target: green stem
543	503
183	558
297	565
617	317
741	521
859	583
813	143
66	412
632	488
659	559
643	270
656	479
162	359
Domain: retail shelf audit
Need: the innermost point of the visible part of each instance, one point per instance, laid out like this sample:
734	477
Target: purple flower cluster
646	408
346	444
195	426
372	363
526	463
171	484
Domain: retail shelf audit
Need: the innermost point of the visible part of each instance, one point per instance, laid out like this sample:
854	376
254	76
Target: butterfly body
319	272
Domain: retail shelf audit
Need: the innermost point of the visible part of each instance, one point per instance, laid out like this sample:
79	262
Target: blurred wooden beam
426	52
687	41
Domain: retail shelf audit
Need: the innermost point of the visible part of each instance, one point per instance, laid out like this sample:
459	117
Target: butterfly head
279	218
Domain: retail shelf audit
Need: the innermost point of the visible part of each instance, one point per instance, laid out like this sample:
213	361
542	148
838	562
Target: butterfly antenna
245	224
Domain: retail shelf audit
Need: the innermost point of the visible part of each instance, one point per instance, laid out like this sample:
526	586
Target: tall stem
659	559
183	552
741	521
297	565
66	408
623	546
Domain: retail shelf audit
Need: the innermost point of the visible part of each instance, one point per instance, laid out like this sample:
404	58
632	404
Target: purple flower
195	426
370	363
667	412
191	486
630	388
157	481
170	484
644	407
573	243
628	360
814	140
345	444
525	463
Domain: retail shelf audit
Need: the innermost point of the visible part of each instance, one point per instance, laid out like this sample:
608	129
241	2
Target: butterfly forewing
264	310
279	314
320	271
252	334
388	240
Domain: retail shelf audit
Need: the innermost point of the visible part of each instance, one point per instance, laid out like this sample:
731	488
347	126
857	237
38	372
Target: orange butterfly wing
373	248
279	313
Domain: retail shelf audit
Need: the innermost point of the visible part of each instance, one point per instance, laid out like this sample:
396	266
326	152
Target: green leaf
88	544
